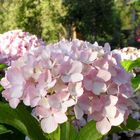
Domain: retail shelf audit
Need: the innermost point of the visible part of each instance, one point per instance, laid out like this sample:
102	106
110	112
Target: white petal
49	124
117	120
113	100
14	102
79	89
26	100
110	111
68	103
107	47
93	56
76	89
103	126
76	77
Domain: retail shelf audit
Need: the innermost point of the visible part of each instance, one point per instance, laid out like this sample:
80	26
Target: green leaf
2	66
68	132
129	65
132	124
136	83
4	130
22	120
54	135
89	132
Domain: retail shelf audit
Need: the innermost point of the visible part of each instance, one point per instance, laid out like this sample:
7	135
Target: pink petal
65	78
6	94
4	82
88	84
51	84
54	101
78	112
76	89
76	77
49	124
14	102
103	74
60	117
43	112
98	88
103	126
76	67
96	115
35	101
16	91
63	96
113	89
44	103
15	77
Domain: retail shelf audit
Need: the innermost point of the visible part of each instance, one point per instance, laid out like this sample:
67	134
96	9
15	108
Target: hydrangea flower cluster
15	43
128	53
74	77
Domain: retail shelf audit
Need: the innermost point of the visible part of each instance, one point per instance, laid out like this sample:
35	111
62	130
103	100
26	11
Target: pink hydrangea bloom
106	94
128	53
15	43
76	75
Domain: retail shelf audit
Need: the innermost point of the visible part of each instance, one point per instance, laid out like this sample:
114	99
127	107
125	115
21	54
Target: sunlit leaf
89	132
136	83
2	66
129	65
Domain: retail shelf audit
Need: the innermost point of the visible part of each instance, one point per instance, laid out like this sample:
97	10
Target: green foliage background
40	17
52	20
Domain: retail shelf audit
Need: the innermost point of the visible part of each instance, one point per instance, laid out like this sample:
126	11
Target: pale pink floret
50	113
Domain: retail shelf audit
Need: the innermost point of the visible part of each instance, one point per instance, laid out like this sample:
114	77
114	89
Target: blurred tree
51	14
123	7
93	19
8	12
40	17
28	16
136	7
129	13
